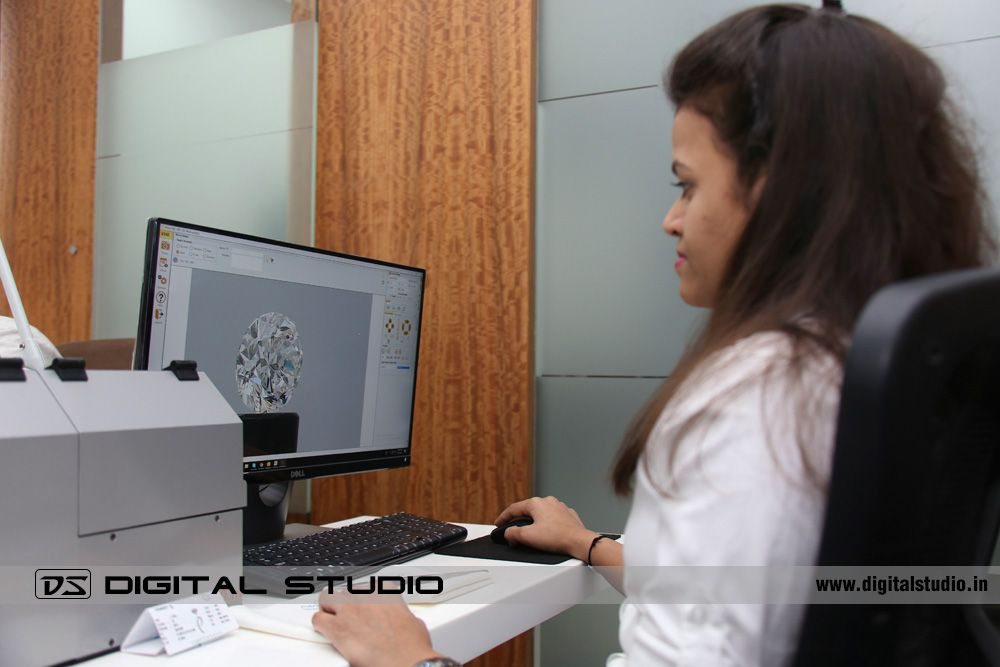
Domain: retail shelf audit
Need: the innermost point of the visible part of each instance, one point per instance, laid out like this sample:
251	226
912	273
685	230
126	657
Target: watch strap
438	662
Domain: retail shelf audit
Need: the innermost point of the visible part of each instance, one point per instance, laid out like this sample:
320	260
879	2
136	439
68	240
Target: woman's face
711	212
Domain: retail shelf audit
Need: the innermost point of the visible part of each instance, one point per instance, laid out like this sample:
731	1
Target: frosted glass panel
582	635
606	290
580	424
154	26
929	22
590	46
244	85
219	134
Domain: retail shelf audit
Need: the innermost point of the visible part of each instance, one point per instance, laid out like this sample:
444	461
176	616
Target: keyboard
355	550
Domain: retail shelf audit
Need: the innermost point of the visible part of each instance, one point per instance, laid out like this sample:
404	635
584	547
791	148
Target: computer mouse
498	533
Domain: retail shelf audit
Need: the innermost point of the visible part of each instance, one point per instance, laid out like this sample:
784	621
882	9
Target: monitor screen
279	327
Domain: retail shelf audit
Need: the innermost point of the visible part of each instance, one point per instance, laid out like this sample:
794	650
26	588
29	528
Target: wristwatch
438	662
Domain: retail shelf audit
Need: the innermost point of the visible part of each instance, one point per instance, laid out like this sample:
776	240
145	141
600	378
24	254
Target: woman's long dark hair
866	180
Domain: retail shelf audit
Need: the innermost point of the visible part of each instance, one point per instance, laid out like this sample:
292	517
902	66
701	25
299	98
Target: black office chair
916	471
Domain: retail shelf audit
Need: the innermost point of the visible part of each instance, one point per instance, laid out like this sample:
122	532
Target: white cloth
10	341
737	495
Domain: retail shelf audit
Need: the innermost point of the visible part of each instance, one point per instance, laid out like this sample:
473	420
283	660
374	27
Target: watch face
438	662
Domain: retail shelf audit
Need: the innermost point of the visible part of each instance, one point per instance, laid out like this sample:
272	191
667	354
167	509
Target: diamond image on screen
269	362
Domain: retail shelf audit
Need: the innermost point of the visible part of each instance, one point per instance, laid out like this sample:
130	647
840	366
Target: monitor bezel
298	467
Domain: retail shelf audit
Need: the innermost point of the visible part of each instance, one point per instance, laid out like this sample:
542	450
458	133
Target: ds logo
62	584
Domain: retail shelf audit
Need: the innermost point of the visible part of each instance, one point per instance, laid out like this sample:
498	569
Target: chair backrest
916	471
111	354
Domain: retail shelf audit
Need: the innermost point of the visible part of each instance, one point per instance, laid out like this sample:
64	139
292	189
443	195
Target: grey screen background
333	330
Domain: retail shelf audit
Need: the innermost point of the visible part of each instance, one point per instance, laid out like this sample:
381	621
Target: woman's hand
380	631
556	527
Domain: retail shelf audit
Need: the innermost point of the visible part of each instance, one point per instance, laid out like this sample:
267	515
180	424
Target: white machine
121	469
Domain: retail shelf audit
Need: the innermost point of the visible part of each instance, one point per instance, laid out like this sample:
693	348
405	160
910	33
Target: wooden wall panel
303	10
425	129
48	111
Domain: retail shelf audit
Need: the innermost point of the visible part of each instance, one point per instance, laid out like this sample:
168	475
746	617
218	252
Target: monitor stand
266	512
271	434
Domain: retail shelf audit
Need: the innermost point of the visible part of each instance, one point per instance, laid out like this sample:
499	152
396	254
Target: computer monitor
283	328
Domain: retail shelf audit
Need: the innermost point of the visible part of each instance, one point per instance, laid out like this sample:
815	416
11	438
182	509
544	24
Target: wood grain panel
303	10
425	157
48	110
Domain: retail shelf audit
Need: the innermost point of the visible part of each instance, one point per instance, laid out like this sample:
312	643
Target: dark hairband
833	5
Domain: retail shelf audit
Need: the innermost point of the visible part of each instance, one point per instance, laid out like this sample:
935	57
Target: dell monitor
316	350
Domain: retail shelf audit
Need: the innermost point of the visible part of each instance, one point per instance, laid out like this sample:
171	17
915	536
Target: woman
817	163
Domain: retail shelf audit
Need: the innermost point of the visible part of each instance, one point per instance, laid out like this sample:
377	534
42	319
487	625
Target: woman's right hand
556	527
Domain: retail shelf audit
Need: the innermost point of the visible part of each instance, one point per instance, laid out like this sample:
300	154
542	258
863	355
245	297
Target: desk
462	631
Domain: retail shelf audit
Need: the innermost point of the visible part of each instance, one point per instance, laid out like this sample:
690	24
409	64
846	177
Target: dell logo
62	584
297	474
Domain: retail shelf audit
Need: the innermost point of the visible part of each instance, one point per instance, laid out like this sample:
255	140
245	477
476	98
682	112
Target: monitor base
266	511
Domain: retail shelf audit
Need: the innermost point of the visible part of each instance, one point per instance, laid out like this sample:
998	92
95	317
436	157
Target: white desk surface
462	631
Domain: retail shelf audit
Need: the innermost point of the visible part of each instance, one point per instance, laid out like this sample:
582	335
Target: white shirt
10	341
738	495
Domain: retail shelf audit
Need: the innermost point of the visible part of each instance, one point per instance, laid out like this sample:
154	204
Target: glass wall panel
220	133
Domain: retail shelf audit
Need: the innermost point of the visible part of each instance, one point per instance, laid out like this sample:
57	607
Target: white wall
153	26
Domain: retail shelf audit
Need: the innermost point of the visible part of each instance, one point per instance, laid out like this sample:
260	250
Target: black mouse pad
484	547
